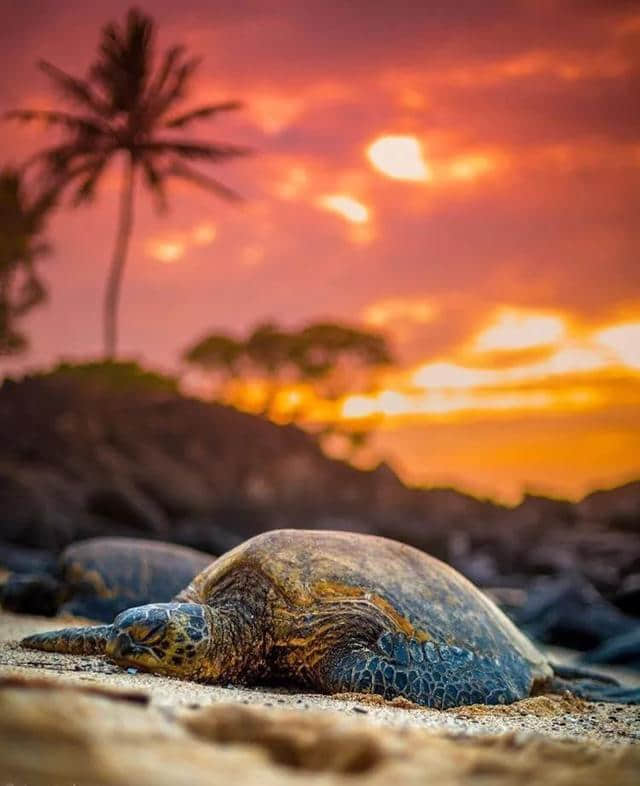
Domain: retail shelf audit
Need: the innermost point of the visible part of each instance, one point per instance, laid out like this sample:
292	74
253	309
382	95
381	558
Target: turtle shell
104	576
419	595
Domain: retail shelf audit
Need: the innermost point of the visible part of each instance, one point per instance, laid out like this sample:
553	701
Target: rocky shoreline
79	461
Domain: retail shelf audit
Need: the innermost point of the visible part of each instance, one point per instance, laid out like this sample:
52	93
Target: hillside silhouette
79	460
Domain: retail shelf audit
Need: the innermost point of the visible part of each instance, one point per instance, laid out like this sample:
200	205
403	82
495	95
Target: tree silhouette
320	349
269	352
22	222
216	352
128	107
325	356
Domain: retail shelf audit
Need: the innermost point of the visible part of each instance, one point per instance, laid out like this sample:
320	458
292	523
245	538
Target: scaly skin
72	641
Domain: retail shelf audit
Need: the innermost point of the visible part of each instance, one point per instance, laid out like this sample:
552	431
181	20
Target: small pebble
131	670
360	709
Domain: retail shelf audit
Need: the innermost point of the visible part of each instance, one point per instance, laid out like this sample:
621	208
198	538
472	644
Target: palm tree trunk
114	282
10	339
5	317
4	287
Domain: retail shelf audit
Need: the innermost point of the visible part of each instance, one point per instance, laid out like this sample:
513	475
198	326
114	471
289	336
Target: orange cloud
390	311
175	246
391	404
624	341
402	158
348	207
517	329
576	376
166	250
607	63
514	155
470	167
203	234
274	110
399	157
578	373
293	184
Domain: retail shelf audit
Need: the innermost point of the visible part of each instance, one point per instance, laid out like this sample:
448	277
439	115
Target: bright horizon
465	180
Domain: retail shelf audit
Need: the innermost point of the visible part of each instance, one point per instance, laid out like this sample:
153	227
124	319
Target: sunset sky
464	177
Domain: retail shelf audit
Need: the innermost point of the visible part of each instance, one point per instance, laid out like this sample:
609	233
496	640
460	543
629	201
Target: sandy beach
92	705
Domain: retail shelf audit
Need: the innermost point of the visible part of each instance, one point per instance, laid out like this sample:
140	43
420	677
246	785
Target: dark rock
129	508
627	597
100	577
81	462
16	559
623	650
26	593
77	461
570	612
619	507
205	534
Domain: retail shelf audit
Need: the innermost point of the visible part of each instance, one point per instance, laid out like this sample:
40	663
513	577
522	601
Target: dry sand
56	727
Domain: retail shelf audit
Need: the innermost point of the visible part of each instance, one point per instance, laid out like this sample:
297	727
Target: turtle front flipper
592	686
72	641
439	676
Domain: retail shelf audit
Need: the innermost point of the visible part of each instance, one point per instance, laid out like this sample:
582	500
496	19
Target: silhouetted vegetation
128	105
22	222
313	353
328	360
116	376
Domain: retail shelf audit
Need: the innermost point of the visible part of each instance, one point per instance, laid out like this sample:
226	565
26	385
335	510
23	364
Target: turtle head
167	638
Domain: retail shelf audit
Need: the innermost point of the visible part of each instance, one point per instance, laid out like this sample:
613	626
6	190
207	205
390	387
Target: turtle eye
150	635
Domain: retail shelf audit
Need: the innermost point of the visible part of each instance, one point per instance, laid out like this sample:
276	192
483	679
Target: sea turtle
100	577
335	612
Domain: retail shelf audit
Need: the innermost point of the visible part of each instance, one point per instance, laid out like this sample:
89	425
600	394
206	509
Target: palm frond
126	57
11	196
195	150
156	182
176	89
84	124
22	219
62	167
43	204
76	90
31	293
169	61
198	114
184	172
57	160
85	192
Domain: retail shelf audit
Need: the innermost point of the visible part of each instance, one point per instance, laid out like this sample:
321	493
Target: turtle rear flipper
591	685
71	641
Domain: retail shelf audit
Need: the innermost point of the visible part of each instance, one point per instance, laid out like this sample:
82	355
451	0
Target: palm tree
128	106
22	221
